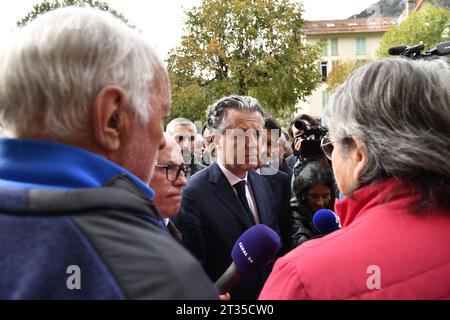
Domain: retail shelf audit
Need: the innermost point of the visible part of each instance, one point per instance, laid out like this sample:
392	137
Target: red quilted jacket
384	251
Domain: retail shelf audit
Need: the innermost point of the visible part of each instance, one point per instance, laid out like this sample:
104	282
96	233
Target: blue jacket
75	226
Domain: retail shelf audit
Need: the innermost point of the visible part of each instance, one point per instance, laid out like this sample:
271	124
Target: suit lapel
260	194
225	193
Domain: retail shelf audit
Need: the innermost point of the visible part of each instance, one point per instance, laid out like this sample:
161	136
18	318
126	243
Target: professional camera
415	52
300	125
311	137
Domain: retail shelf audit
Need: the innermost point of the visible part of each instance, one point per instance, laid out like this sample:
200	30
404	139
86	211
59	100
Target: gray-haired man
84	96
222	201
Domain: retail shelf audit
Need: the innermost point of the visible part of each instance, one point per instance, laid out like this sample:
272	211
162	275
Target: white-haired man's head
184	132
83	77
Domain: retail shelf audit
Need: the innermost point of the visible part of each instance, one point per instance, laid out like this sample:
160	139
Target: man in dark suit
222	201
280	182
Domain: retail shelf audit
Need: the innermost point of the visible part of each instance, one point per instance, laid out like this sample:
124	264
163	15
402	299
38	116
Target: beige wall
347	45
346	50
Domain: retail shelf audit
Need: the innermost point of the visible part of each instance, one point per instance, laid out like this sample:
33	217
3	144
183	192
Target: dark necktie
240	188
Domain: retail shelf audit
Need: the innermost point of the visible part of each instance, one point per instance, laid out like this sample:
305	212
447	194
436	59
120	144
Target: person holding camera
297	127
306	145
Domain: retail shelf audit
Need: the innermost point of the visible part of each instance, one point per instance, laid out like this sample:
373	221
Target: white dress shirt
233	179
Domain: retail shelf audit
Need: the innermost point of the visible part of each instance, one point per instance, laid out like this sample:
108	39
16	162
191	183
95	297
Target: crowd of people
93	178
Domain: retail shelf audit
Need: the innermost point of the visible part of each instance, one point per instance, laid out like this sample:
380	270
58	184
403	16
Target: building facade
350	39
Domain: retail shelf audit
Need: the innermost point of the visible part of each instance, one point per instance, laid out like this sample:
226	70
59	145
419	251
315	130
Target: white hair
179	121
57	64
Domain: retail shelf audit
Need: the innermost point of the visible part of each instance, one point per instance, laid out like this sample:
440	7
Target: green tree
341	71
251	47
46	6
430	26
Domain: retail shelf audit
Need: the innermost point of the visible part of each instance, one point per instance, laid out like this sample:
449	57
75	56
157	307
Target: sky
162	21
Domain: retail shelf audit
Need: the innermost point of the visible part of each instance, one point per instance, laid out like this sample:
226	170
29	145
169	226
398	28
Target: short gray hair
57	64
399	110
179	121
216	112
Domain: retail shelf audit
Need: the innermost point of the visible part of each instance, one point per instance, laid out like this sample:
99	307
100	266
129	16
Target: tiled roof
348	25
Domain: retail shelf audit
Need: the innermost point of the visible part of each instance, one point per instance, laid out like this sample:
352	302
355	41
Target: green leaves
430	26
341	71
251	47
46	6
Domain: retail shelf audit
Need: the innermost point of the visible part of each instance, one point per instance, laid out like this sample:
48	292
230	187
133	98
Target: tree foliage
430	26
46	6
250	47
341	71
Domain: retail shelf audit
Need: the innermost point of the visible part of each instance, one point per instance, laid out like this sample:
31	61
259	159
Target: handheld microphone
326	221
251	253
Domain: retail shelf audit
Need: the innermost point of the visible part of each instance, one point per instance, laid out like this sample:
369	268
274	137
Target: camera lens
300	125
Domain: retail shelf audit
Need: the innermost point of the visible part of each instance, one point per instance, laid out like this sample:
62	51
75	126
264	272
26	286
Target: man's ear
109	117
215	138
359	158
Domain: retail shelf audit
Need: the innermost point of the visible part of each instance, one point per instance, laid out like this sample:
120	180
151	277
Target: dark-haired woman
314	190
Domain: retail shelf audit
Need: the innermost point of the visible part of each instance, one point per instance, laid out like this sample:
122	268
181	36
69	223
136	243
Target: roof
419	4
348	25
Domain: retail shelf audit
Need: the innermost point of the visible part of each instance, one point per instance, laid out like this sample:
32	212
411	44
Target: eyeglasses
327	147
173	170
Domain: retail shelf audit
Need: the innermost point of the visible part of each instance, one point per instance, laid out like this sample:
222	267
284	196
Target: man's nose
181	181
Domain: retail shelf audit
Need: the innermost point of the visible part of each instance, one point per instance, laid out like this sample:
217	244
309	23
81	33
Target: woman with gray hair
389	141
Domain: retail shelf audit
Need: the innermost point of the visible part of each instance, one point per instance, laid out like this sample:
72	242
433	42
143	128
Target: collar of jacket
119	194
391	193
34	164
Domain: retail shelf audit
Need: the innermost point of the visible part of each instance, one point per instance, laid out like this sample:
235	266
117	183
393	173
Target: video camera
310	147
415	52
